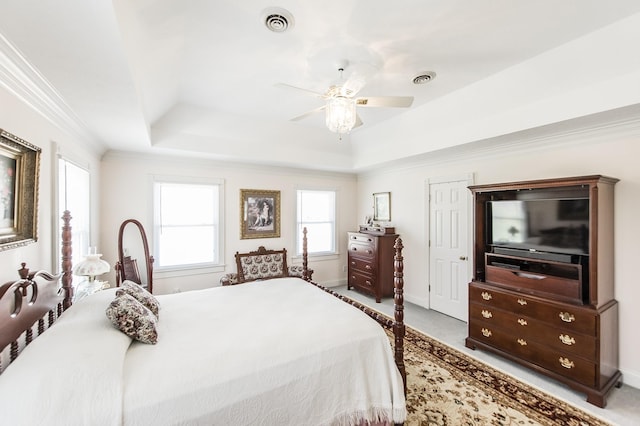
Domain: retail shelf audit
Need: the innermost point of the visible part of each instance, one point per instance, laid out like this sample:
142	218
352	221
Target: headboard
31	304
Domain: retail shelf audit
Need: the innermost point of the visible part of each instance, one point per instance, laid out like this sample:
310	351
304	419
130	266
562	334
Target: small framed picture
382	206
259	213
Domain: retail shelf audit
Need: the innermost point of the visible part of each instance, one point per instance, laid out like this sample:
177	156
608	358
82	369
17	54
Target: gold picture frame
19	177
382	206
259	213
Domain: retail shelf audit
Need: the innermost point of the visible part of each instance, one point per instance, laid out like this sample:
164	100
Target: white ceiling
200	77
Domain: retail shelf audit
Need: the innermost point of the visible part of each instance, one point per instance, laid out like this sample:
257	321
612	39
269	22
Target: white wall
126	194
610	152
24	122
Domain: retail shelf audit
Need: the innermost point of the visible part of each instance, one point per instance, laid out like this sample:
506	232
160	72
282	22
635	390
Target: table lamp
91	267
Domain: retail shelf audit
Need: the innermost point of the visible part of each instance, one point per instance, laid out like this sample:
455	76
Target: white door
449	204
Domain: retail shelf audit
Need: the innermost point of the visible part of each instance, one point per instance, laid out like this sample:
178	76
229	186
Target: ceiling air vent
424	77
278	20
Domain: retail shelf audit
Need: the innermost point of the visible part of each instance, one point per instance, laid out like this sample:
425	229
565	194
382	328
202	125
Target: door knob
463	257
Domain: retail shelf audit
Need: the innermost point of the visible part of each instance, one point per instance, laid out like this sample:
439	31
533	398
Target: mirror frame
120	272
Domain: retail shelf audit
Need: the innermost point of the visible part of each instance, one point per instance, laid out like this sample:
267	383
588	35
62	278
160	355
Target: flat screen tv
543	225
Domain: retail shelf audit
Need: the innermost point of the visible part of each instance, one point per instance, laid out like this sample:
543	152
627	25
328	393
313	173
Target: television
540	225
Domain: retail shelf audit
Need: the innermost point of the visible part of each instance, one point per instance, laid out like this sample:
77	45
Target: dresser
370	263
569	342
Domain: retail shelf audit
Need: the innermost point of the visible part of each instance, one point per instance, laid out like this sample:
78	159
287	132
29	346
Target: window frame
82	234
183	269
299	222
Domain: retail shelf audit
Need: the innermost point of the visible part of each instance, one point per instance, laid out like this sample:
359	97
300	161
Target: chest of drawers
370	264
566	341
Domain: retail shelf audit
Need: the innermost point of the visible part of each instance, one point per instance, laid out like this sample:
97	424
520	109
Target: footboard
396	324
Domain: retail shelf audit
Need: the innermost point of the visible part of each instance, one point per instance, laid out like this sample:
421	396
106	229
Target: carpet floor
447	387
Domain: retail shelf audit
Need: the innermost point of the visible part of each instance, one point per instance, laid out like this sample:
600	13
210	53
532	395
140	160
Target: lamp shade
91	266
340	114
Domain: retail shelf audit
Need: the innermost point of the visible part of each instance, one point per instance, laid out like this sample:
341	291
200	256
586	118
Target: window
187	223
317	212
74	195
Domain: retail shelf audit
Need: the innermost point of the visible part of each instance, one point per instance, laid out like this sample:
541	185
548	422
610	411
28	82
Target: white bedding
274	352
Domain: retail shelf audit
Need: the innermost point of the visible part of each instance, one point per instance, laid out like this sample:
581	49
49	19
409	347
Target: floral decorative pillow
142	295
133	318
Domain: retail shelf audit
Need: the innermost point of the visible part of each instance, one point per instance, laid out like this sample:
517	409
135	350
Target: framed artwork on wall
382	206
259	213
19	176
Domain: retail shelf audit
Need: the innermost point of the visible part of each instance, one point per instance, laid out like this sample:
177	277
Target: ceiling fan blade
385	101
307	114
307	91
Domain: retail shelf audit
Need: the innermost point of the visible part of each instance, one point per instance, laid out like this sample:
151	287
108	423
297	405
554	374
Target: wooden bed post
305	260
67	276
398	302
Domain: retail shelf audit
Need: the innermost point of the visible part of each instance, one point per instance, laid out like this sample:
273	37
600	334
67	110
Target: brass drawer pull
567	340
487	314
566	363
486	332
522	322
522	302
567	317
522	342
486	296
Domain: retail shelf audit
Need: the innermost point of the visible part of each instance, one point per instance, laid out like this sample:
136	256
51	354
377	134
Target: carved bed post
398	302
67	276
305	260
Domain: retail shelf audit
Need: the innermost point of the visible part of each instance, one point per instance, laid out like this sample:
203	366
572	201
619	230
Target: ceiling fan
341	102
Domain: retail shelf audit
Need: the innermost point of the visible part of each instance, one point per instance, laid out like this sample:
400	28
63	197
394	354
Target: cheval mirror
133	245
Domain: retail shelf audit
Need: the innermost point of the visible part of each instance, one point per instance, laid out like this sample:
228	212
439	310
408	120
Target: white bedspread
72	374
276	352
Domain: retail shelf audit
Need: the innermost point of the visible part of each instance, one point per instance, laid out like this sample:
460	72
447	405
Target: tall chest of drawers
370	264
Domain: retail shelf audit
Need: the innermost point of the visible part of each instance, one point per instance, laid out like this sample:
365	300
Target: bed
281	351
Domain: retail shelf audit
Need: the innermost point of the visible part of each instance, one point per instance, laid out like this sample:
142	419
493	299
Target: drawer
528	328
363	265
362	280
361	238
561	315
564	288
567	365
362	250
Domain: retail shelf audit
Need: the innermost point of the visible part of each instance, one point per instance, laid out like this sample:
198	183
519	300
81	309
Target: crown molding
22	79
597	128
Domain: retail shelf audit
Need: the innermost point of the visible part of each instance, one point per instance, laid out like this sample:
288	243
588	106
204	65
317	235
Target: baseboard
420	301
334	283
631	378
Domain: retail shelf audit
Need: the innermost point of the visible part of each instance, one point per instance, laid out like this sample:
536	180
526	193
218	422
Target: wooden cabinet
370	263
554	315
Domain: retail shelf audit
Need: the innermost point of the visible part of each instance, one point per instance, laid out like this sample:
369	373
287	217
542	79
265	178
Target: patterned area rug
447	387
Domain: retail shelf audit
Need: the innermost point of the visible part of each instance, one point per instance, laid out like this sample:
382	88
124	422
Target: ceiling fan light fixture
340	114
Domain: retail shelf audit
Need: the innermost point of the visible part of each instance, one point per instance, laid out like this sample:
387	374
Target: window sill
319	257
187	271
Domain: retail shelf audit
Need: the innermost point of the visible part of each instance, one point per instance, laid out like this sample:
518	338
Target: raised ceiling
201	77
